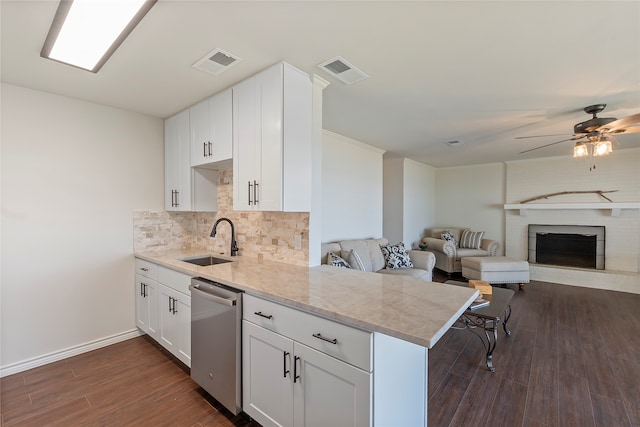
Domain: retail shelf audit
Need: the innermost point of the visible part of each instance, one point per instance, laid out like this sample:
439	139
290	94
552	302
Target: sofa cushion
464	252
396	256
416	273
471	239
377	258
337	261
353	259
456	231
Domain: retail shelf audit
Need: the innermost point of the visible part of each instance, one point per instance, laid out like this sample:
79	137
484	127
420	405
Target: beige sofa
370	254
448	256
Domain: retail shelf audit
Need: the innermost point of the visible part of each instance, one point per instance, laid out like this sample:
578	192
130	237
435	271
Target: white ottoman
495	269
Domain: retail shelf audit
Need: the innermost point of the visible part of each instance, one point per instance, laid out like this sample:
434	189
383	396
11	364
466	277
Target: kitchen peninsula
404	316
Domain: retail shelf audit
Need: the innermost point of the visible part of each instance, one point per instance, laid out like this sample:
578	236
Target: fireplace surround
580	246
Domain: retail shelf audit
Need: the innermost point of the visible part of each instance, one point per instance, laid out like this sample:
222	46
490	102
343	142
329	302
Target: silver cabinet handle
204	149
249	192
174	198
285	371
144	269
266	316
255	192
320	337
210	145
295	368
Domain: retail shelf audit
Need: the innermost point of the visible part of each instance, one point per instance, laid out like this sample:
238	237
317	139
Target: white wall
472	196
409	194
393	199
72	174
351	189
419	201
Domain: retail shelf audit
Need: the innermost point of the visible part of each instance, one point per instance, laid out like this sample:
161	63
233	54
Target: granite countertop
405	308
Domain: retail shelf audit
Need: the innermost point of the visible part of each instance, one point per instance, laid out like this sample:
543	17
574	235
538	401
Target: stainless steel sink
205	260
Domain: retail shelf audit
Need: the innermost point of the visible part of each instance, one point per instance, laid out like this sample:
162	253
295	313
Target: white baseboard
14	368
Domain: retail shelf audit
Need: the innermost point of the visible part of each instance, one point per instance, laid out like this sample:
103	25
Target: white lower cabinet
175	323
329	392
147	297
287	383
147	305
163	307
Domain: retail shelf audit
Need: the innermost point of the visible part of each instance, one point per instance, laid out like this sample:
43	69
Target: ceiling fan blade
620	123
630	129
575	138
540	136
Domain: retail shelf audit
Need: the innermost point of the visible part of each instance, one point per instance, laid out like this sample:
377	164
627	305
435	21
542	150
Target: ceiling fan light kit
600	146
598	132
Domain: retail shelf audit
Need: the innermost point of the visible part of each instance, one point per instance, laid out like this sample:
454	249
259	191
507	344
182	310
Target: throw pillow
336	261
353	259
395	256
446	235
471	239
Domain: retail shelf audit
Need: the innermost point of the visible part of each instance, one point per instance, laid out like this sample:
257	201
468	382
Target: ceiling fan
594	136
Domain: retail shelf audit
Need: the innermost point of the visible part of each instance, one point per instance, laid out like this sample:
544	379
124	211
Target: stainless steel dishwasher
216	319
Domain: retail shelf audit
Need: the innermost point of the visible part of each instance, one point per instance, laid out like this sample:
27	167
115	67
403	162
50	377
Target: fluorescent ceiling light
85	33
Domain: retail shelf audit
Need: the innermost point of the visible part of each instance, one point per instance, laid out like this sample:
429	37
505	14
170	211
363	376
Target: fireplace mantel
613	207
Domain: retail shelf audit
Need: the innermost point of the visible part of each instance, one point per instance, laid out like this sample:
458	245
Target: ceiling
479	72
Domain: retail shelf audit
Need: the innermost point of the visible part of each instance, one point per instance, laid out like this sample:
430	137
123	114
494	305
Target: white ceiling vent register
342	70
216	61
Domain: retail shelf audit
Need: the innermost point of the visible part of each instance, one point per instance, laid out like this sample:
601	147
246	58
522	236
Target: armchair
449	254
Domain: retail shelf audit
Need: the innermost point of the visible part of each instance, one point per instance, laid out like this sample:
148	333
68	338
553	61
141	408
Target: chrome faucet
234	245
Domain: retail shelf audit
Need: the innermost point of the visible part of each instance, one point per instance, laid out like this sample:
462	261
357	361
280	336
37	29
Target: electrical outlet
297	241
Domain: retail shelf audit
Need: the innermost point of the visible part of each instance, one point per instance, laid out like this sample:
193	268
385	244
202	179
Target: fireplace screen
567	245
571	250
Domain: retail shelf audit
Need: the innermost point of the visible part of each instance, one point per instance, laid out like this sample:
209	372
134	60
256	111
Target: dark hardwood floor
572	360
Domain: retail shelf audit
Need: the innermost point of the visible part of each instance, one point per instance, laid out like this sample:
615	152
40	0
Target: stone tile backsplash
271	235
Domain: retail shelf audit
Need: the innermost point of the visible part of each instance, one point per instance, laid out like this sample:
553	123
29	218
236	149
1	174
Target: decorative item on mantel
560	193
614	207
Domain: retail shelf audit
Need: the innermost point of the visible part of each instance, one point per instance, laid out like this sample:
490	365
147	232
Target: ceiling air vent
341	69
217	61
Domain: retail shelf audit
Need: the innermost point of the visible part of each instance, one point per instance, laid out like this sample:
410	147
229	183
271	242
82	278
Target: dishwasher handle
214	298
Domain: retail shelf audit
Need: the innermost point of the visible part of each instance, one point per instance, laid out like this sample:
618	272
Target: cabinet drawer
175	280
147	269
343	342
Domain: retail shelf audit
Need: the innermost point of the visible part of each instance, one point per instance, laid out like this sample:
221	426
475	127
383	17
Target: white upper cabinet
211	130
186	189
177	167
272	130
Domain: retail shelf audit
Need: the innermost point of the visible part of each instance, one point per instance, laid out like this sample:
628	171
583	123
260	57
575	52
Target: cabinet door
147	305
201	146
174	326
246	145
177	163
329	392
168	328
142	303
221	112
270	87
183	319
267	385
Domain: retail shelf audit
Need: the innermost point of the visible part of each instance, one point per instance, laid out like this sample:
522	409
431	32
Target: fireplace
580	246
